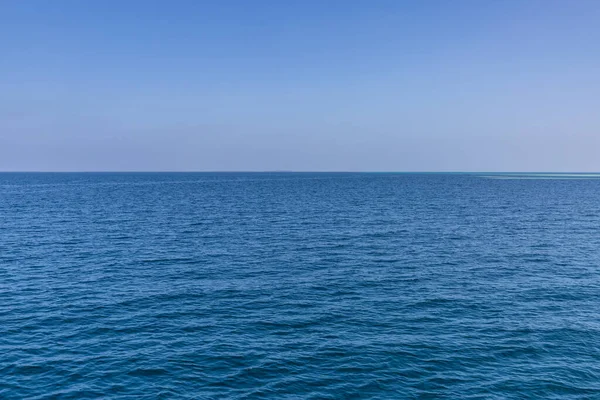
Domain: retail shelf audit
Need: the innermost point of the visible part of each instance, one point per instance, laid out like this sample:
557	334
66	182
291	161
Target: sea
299	286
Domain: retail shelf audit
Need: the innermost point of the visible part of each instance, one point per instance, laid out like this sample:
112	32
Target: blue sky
300	85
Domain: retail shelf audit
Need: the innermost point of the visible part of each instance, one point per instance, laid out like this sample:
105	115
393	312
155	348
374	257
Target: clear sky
312	85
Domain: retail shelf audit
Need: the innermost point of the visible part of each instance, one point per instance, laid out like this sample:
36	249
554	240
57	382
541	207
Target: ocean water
299	286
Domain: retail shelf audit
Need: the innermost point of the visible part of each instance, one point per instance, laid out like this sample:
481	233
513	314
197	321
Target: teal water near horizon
299	285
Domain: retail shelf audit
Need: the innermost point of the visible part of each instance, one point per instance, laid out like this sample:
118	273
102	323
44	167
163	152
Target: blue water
299	286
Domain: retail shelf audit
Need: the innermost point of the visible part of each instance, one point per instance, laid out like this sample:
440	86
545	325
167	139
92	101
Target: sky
312	85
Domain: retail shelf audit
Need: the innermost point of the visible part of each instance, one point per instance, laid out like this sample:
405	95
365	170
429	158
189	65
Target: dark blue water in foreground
298	286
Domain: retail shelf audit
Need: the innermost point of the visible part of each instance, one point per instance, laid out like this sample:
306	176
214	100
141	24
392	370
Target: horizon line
284	172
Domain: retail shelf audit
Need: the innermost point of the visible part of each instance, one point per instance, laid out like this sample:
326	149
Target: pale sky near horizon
351	85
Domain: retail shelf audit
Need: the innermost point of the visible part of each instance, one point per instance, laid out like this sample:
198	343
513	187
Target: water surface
298	286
